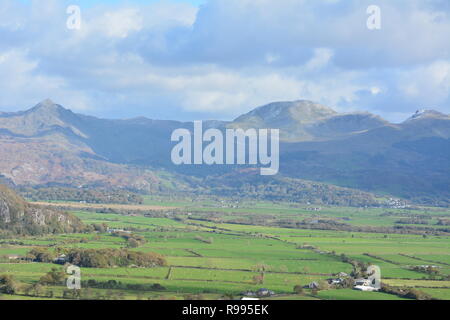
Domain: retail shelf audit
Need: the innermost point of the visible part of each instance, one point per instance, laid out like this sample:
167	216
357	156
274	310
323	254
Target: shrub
105	258
53	277
298	289
8	285
41	255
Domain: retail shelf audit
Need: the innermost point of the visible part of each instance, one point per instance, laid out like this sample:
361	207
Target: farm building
259	293
313	285
335	281
62	259
364	285
363	282
264	292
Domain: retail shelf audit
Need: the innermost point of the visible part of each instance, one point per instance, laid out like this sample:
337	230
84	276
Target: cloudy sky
198	59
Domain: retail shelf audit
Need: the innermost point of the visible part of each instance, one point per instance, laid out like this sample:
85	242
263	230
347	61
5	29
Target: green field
214	252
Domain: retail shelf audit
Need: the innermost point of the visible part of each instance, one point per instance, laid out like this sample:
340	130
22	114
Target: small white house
364	285
365	288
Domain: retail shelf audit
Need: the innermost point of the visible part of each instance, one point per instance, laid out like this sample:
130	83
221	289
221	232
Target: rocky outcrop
19	217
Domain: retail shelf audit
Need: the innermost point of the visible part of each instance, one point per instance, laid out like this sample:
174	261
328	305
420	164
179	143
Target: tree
8	284
347	283
34	290
323	285
101	228
228	296
298	289
49	294
54	276
132	243
41	255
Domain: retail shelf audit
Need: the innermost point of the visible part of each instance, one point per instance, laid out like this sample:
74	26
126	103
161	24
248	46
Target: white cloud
227	57
429	83
20	82
375	90
119	23
320	59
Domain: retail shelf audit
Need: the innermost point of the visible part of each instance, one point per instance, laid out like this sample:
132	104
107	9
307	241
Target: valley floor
217	251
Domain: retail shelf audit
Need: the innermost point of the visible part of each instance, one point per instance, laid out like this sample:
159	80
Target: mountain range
51	145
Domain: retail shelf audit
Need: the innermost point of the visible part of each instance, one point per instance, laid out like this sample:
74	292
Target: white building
364	285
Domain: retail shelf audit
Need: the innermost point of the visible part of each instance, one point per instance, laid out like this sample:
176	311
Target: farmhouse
428	267
259	293
264	292
335	281
248	293
62	259
313	285
364	285
314	209
110	230
362	282
365	288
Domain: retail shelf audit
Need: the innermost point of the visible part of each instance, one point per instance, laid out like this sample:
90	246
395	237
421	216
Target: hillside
21	218
409	160
248	184
49	145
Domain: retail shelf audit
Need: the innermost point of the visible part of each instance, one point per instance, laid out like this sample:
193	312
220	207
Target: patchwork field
217	252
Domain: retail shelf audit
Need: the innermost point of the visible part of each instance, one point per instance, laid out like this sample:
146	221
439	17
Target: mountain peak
43	118
47	106
293	117
300	111
305	107
423	114
47	102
